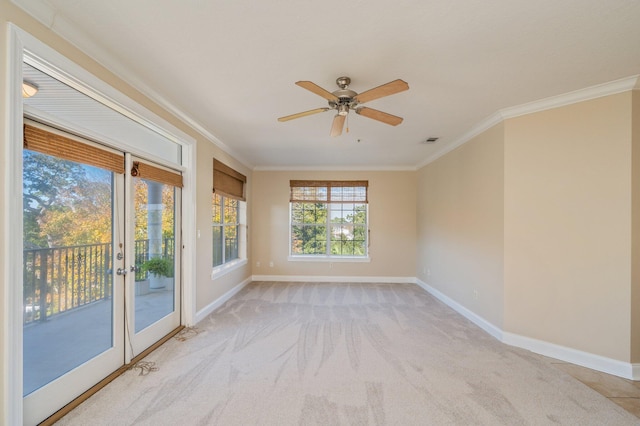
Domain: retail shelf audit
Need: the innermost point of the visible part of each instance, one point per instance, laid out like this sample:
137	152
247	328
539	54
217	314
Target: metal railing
60	279
230	245
142	255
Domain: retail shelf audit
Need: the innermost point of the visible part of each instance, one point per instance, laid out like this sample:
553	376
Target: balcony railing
60	279
142	255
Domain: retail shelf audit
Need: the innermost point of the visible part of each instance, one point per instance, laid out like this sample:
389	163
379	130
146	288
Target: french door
153	218
101	264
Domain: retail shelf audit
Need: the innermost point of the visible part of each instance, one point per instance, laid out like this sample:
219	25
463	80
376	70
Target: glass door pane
73	316
68	252
153	224
156	261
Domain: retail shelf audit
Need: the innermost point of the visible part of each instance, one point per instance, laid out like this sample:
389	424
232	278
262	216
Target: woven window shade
228	182
156	174
329	191
36	139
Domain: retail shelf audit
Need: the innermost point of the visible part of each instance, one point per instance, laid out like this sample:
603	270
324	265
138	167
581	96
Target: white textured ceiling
230	66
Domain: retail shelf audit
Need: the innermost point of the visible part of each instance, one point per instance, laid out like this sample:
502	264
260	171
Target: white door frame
138	341
23	45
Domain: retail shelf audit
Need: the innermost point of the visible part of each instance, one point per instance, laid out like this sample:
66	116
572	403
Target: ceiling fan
343	100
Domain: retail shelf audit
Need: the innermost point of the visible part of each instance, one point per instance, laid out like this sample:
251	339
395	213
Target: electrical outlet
475	294
271	264
258	264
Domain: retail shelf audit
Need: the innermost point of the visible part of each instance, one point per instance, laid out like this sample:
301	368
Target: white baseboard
562	353
471	316
574	356
635	371
333	279
202	313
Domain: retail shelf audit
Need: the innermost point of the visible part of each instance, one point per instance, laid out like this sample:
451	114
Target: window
329	219
229	215
226	226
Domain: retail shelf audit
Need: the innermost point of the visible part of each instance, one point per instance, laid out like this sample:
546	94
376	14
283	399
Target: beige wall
460	225
568	226
535	215
392	218
635	224
209	290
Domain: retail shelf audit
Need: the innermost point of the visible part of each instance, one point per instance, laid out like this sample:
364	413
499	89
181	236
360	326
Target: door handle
121	271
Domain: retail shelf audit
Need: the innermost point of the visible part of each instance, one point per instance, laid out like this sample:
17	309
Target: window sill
333	259
222	270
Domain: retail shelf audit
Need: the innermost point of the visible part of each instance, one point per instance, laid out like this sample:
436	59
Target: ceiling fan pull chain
347	123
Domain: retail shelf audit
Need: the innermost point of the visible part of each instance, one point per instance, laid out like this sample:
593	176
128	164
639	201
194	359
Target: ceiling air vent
429	140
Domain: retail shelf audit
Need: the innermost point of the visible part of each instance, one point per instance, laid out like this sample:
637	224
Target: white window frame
231	265
328	257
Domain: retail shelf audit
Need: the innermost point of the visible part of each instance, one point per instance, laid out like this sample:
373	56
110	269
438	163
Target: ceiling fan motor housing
345	101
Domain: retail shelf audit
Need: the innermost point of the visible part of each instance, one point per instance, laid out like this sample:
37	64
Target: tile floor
625	393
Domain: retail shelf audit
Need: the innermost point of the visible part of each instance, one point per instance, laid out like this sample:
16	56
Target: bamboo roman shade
37	139
329	191
228	182
156	174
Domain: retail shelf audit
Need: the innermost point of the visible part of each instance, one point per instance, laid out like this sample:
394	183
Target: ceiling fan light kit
344	100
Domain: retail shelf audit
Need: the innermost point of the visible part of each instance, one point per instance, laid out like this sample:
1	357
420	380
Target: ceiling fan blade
302	114
390	88
379	115
312	87
338	123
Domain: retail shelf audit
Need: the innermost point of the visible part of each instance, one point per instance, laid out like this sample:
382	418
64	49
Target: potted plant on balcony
161	270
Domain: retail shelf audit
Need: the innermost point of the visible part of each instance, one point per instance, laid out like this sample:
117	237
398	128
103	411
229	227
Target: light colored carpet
344	354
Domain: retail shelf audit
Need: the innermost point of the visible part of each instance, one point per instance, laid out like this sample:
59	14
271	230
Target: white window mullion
328	226
224	236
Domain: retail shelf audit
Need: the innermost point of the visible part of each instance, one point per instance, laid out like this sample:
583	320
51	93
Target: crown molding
588	93
344	168
581	95
66	29
41	11
466	137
